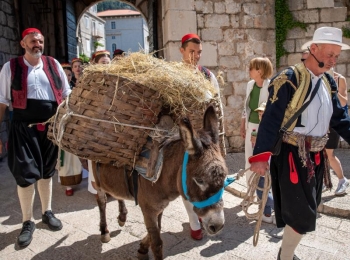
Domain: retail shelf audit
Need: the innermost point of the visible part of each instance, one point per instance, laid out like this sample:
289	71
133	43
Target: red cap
65	65
30	30
118	52
77	60
190	36
99	53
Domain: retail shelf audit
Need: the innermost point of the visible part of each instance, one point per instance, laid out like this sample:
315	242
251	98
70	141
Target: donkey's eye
199	181
201	184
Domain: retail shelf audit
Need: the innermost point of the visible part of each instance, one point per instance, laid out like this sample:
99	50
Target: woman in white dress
70	169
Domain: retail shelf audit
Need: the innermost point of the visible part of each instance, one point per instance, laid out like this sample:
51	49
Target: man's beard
33	53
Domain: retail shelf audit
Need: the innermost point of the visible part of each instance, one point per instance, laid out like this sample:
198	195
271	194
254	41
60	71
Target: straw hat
327	35
261	107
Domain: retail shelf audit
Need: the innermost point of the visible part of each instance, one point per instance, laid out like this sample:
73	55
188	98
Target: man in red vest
35	85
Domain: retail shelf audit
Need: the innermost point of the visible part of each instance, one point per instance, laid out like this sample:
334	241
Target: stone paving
79	238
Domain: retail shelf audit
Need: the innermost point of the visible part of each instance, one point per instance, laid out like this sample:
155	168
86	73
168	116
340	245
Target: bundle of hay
114	107
177	85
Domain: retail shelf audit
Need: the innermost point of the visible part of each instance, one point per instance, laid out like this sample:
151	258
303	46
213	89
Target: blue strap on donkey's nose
211	200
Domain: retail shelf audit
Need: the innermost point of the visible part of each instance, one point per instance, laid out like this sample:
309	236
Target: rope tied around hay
249	199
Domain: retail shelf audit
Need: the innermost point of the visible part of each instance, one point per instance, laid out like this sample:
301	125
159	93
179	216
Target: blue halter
209	201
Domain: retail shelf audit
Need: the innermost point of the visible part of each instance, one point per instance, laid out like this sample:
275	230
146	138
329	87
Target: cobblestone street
80	239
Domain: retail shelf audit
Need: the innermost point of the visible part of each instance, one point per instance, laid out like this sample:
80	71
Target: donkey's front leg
142	253
152	222
102	201
122	213
153	229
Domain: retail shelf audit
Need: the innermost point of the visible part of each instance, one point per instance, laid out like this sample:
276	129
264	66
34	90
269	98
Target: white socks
45	193
26	200
192	216
290	242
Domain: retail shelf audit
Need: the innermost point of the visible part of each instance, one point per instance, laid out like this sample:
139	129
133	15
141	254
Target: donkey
201	181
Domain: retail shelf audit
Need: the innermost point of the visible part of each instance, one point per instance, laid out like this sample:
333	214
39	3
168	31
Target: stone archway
57	19
150	10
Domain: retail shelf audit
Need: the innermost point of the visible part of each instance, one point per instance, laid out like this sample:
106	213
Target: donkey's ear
192	144
211	123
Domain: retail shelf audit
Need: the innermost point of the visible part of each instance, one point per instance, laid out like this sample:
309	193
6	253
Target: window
113	37
113	25
88	46
94	31
114	47
86	21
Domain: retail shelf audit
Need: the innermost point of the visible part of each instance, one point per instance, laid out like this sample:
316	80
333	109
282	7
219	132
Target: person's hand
253	140
260	167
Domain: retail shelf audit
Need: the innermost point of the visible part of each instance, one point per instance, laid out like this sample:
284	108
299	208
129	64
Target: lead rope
249	199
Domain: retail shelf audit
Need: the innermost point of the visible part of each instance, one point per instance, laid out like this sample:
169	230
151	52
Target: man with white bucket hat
302	104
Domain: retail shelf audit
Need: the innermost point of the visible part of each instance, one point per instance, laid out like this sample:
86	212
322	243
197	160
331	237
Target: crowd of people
302	111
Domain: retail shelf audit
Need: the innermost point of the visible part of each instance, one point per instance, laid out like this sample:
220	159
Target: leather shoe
50	219
197	234
26	235
69	192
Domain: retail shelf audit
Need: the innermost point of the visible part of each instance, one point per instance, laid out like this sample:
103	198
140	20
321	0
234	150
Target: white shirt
317	115
38	85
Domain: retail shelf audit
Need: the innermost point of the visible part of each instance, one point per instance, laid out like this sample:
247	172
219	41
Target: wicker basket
106	119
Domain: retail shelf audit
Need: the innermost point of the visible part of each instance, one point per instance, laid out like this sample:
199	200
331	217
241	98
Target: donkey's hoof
141	256
121	220
121	223
105	238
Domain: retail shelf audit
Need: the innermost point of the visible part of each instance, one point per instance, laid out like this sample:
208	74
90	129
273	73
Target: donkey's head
204	171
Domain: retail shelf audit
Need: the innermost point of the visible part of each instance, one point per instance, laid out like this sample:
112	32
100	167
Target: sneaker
26	235
341	189
268	219
50	219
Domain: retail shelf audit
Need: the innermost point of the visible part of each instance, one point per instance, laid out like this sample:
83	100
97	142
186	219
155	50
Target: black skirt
296	203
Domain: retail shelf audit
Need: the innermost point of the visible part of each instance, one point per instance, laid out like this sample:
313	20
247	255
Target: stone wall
233	32
10	48
9	32
315	14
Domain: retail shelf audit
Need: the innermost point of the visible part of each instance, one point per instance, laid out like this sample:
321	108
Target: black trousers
296	202
31	156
